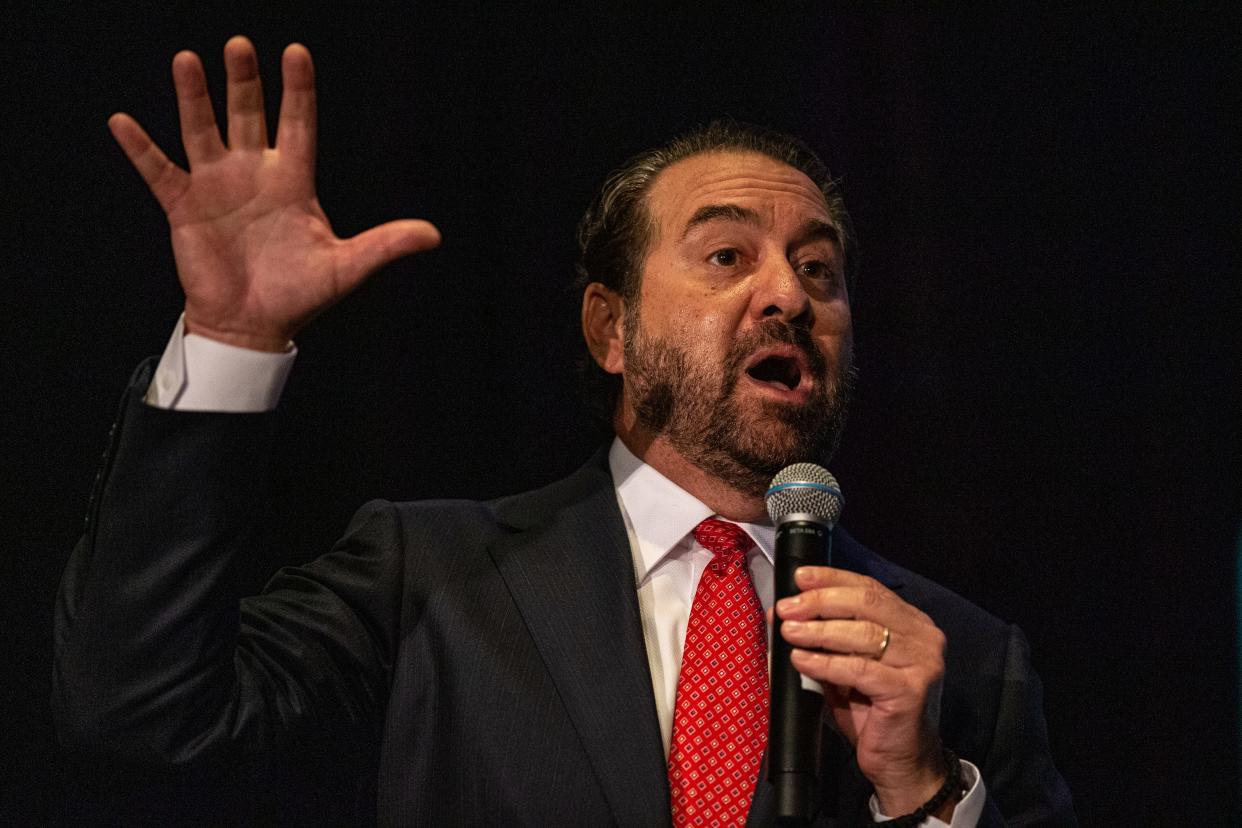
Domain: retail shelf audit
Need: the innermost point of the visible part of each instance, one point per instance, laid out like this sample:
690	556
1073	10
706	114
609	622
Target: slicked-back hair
615	233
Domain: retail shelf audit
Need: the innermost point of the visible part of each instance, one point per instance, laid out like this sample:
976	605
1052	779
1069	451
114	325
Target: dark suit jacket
491	653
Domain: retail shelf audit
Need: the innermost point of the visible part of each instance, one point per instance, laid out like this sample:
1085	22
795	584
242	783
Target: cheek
707	334
678	306
834	331
834	321
694	319
716	315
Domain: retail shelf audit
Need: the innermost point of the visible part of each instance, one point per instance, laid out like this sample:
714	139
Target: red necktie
720	720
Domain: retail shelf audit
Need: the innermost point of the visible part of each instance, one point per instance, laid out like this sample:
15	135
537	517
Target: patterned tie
720	720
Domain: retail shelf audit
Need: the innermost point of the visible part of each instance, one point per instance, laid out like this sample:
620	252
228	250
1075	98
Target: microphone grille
804	488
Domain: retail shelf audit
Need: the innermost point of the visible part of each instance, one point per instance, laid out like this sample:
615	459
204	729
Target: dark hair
617	229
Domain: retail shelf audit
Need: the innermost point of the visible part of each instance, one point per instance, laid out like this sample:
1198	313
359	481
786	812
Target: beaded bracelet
952	786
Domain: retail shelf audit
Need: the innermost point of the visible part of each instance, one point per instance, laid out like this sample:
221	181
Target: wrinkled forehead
772	189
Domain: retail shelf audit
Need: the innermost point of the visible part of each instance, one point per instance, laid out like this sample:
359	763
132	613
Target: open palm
255	252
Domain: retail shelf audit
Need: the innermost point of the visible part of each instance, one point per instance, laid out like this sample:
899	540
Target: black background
1046	320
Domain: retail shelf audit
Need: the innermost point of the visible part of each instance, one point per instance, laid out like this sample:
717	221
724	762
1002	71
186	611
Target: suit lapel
568	566
848	553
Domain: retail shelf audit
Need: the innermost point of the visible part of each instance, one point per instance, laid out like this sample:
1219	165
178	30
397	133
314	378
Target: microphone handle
795	712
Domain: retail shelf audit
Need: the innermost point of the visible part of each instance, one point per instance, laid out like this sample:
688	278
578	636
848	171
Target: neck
655	450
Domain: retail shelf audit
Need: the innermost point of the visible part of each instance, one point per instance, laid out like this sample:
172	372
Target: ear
603	313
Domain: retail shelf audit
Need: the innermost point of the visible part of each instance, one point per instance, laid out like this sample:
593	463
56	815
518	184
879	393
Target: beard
690	399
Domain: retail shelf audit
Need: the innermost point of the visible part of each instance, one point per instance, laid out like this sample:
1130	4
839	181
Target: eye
817	270
726	257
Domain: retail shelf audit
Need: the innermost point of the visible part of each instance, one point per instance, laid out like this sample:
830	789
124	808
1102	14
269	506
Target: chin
768	445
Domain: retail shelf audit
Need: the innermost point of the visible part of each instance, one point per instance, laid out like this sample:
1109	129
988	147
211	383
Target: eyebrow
815	229
720	212
811	230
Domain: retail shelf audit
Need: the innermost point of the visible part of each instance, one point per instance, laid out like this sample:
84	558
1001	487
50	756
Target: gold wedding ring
888	634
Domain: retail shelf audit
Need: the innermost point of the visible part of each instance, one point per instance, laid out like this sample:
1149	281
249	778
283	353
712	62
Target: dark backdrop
1046	320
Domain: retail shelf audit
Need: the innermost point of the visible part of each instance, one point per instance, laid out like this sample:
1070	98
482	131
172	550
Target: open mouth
779	370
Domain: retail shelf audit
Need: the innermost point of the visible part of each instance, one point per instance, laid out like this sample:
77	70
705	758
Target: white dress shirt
199	374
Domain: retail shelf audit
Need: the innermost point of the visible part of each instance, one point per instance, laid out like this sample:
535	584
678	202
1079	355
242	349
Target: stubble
692	401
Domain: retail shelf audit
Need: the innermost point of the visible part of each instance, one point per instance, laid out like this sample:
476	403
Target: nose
778	292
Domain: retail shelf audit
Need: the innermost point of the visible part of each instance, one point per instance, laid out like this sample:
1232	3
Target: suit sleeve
1024	787
156	656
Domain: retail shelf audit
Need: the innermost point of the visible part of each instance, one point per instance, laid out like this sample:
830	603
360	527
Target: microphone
804	502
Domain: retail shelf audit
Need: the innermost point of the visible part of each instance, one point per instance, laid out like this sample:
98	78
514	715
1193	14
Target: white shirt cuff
965	815
200	374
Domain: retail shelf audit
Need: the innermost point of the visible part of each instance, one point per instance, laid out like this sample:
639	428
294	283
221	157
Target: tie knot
727	541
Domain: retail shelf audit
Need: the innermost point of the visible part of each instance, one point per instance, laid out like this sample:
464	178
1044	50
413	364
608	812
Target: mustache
772	332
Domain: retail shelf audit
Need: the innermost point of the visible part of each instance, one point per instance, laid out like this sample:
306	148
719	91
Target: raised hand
255	253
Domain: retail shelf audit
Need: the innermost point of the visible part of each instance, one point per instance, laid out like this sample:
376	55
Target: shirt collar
661	513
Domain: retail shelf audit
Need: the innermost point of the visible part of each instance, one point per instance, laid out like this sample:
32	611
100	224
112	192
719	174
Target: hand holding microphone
804	503
881	661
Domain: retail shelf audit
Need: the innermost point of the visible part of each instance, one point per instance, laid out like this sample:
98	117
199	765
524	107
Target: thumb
369	251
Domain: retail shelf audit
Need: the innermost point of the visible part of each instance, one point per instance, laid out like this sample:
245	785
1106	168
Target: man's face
740	351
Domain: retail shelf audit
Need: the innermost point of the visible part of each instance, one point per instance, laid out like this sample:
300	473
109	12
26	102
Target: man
519	661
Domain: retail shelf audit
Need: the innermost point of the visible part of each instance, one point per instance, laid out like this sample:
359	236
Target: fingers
847	613
247	123
367	252
910	647
871	601
837	593
873	679
865	638
296	130
166	180
199	134
821	576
